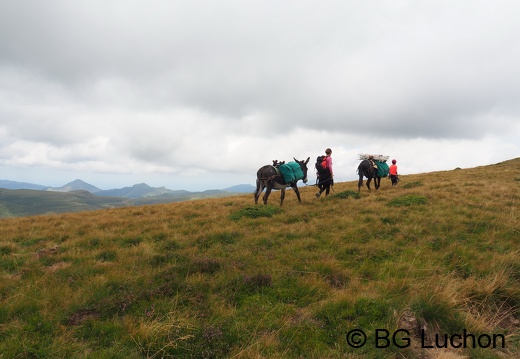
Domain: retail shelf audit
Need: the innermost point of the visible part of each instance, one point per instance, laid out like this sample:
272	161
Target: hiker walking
325	175
393	173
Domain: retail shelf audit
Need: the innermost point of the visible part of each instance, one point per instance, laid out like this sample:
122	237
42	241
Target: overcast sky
199	94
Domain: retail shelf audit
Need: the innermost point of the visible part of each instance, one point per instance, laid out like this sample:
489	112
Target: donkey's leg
360	183
297	191
282	196
259	188
377	182
368	183
269	187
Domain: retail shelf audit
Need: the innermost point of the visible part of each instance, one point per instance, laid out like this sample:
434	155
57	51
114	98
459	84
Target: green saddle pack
291	172
382	169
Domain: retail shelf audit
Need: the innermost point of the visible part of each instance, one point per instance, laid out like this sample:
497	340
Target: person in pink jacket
325	177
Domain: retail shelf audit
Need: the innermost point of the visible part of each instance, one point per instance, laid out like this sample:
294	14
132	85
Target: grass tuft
256	212
207	265
347	194
407	201
412	185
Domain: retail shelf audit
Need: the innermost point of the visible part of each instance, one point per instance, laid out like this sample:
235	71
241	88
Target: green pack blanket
291	172
382	169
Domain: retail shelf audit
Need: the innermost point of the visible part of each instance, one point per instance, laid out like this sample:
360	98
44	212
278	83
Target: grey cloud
159	78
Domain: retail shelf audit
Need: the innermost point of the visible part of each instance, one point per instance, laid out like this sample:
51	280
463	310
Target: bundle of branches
380	158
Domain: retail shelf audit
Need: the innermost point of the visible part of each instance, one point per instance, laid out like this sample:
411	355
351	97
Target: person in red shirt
393	173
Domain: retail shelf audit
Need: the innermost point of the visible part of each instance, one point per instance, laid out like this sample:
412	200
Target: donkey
366	169
269	177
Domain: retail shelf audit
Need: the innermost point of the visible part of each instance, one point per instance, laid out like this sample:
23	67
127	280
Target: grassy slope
223	278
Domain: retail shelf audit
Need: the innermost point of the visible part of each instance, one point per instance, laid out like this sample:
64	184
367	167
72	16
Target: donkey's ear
295	159
308	158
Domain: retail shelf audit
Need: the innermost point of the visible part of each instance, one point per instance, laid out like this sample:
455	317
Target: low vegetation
222	278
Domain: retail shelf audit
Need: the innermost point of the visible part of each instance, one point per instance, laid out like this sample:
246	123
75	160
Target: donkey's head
303	165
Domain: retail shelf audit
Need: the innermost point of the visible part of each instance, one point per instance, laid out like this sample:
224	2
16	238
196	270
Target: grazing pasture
432	261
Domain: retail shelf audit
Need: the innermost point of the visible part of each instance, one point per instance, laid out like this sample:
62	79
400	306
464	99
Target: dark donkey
269	177
367	169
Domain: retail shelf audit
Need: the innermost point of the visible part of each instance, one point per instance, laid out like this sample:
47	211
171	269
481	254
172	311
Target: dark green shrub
346	194
5	250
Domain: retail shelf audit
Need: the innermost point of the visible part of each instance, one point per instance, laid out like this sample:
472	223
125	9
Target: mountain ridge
136	191
25	199
7	184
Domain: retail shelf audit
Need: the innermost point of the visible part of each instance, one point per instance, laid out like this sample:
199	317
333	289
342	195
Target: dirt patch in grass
57	266
41	253
82	315
258	281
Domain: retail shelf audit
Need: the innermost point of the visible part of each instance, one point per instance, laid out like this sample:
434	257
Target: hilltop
435	258
76	185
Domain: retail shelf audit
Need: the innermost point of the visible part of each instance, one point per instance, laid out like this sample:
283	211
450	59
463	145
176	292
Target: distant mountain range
20	185
21	198
136	191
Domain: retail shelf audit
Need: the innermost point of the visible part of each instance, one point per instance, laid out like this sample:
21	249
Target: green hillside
16	203
429	269
23	202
